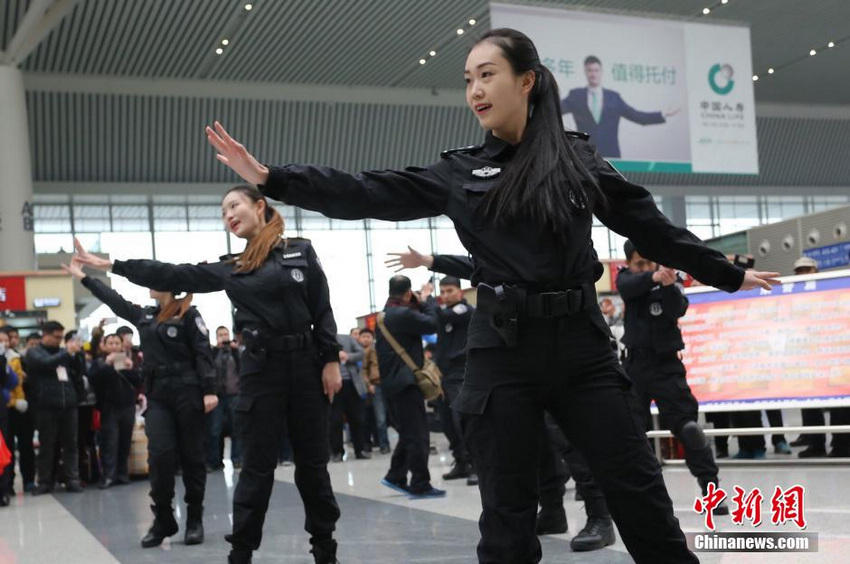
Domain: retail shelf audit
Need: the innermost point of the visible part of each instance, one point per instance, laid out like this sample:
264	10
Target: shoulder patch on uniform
293	254
467	149
202	327
578	134
460	309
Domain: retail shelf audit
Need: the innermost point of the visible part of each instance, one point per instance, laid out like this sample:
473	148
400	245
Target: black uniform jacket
652	312
47	391
518	253
175	348
288	294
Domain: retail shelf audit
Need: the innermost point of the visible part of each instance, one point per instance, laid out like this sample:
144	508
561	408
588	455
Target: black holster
503	305
255	352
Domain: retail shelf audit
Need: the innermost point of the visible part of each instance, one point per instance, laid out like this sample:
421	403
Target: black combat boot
552	520
459	470
164	525
194	524
324	551
597	533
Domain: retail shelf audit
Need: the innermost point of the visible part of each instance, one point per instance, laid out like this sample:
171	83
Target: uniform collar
497	149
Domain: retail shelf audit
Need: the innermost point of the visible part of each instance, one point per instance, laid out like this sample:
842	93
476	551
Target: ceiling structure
379	42
119	89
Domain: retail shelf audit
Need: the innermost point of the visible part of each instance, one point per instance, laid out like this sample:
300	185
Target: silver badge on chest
449	328
171	331
297	275
655	309
486	172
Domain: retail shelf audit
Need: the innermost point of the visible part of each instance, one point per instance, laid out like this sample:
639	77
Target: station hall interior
103	105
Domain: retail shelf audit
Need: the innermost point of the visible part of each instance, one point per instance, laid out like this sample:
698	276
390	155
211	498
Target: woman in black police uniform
289	363
179	383
521	204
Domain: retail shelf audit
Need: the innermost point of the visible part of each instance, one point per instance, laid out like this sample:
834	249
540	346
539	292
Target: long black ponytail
546	180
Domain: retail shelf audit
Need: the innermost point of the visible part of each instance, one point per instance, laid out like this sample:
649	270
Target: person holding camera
654	303
53	373
407	316
115	381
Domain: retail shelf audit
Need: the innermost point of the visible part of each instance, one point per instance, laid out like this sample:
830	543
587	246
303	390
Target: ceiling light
812	53
432	53
755	77
225	41
770	70
706	11
724	1
459	31
249	7
219	51
472	22
422	61
831	44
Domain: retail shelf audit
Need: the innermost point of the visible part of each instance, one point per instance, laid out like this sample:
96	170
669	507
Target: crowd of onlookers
69	408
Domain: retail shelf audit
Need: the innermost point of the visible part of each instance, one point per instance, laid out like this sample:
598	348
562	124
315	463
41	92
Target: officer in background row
180	386
655	301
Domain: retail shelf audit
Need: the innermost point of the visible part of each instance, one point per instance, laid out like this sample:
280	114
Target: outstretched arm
389	194
454	265
196	278
631	211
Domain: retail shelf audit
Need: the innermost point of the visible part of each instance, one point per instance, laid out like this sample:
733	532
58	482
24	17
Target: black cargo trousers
286	394
565	366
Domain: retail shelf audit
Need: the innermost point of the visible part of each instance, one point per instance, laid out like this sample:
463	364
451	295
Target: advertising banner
654	94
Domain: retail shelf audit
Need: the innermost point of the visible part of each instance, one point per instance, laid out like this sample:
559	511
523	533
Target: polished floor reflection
379	525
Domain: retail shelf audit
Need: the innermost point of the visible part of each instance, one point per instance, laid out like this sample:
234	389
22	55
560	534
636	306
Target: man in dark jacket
407	318
53	373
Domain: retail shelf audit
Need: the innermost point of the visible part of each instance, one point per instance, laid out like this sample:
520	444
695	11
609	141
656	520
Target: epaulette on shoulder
578	135
468	149
297	241
227	257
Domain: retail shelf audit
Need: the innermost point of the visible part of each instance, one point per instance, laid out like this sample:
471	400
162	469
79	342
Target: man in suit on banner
597	111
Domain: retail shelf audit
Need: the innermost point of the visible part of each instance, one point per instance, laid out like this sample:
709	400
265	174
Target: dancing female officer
179	382
289	367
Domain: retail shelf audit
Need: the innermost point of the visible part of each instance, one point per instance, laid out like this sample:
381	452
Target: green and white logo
720	78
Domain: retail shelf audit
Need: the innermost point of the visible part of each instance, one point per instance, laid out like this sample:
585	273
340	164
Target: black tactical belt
290	342
541	305
277	342
555	304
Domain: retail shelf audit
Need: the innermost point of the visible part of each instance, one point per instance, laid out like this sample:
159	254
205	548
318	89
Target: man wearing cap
654	300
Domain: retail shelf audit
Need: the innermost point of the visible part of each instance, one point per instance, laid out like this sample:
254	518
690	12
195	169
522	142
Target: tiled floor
379	525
